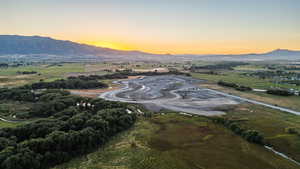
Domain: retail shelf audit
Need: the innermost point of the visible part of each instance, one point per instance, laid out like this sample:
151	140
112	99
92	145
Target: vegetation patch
72	126
173	141
273	124
235	86
223	65
280	92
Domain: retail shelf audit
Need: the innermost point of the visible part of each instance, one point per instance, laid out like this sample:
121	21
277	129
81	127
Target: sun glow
111	45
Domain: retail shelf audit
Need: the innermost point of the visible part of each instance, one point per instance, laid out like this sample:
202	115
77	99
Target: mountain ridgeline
14	44
37	48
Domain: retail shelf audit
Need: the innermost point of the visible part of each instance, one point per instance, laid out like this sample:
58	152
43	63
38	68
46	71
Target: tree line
235	86
223	66
280	92
67	84
124	75
27	72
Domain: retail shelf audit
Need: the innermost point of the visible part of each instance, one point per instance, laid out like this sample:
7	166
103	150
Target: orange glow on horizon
208	48
107	44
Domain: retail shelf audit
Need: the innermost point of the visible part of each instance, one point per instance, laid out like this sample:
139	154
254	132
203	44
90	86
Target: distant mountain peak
283	52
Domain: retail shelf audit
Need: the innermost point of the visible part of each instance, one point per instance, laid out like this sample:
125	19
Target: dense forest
71	126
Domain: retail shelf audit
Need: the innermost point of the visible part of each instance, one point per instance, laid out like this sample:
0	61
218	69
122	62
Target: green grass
9	77
175	141
8	124
236	77
9	108
273	124
45	69
250	67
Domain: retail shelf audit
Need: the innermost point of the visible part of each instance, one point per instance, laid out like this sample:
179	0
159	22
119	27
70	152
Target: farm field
236	77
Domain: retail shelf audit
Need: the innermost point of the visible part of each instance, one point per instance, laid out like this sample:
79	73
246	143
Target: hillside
14	44
37	48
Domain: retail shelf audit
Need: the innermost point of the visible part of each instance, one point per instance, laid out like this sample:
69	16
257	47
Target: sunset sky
160	26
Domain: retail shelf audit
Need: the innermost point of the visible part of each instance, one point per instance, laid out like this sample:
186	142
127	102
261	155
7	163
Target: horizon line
154	53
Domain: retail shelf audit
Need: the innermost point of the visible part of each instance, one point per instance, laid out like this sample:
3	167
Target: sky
160	26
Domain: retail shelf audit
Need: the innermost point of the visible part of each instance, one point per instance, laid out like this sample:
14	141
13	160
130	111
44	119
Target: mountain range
37	48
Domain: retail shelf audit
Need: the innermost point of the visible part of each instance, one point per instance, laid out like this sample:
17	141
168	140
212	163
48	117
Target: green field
48	70
174	141
273	124
251	67
7	124
9	76
236	77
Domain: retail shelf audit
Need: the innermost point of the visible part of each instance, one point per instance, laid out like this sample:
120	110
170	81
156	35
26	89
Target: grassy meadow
237	77
174	141
273	124
9	76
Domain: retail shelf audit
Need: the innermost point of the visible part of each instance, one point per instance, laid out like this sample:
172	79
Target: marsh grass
174	141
